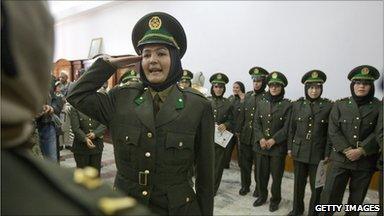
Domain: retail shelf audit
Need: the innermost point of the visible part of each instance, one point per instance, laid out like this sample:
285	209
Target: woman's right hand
90	143
123	62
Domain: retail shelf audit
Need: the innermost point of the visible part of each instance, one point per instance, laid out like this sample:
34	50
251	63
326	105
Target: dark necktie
156	104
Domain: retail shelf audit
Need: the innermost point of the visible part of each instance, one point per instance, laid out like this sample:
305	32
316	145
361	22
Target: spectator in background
46	127
236	99
58	101
64	83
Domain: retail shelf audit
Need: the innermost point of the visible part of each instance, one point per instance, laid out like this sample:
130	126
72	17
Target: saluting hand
123	62
90	143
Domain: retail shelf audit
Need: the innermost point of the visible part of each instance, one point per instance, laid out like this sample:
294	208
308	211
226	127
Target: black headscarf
364	99
306	87
175	72
276	98
213	93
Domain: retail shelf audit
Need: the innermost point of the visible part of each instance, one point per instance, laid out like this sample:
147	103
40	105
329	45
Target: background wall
292	37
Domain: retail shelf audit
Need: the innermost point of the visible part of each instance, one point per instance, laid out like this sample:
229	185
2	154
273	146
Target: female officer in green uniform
222	114
88	142
307	142
245	123
271	133
158	129
185	80
354	147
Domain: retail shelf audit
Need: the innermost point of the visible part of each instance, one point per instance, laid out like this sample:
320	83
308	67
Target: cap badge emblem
314	74
155	23
365	71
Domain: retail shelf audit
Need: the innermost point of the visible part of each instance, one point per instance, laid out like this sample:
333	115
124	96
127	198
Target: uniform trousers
302	171
247	158
219	166
270	165
336	182
83	160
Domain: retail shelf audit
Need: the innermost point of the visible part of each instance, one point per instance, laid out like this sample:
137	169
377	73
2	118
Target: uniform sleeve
83	93
292	128
379	128
75	125
328	145
99	131
205	161
370	145
282	134
334	132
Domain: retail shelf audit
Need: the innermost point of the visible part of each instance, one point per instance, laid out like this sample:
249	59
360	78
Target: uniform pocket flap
180	195
180	140
130	136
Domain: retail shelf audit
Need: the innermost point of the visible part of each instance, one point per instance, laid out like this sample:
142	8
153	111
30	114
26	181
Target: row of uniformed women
160	130
310	129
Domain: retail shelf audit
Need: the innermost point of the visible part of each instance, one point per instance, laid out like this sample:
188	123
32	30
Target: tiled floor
227	201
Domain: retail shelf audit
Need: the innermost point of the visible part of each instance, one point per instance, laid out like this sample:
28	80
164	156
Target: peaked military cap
187	75
129	75
364	72
218	78
314	76
258	73
159	28
277	77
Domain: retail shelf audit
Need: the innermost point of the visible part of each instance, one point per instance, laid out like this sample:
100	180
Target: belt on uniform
143	178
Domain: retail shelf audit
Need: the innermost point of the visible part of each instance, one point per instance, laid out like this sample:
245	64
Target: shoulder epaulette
342	99
327	100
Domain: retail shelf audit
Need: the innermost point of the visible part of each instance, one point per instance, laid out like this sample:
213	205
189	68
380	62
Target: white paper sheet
321	174
222	138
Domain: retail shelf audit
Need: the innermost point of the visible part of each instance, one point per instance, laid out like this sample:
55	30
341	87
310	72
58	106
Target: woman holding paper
222	114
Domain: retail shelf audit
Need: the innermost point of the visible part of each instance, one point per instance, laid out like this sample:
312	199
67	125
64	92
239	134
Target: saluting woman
158	129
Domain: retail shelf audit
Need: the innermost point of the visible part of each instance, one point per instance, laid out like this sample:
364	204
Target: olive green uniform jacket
351	126
153	155
81	125
272	121
30	186
222	111
236	108
308	134
245	120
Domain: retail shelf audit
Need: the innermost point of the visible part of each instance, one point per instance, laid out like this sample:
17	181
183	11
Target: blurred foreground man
31	186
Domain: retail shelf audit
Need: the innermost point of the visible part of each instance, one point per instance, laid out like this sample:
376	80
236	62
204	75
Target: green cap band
158	36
